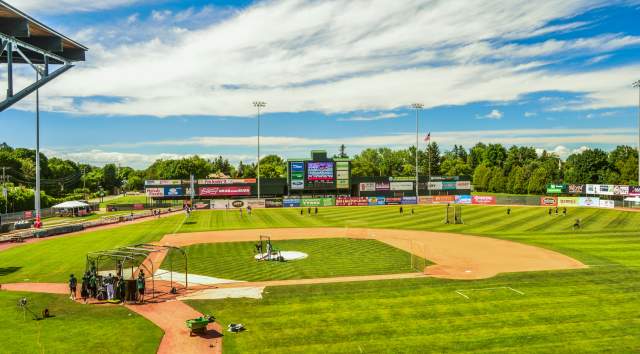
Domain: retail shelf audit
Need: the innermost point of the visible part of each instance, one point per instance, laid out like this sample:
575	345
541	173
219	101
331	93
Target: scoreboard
318	175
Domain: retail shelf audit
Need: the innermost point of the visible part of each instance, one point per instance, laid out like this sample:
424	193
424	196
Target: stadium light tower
259	105
637	85
417	107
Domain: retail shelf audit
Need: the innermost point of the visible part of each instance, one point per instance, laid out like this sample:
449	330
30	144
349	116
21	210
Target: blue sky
170	78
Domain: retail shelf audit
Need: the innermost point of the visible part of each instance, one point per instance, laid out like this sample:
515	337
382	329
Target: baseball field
591	309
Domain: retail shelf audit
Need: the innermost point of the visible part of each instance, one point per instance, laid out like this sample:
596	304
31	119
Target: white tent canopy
70	205
632	199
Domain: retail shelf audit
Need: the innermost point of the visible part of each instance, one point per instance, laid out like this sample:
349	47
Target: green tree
272	166
476	155
497	182
481	177
538	181
588	166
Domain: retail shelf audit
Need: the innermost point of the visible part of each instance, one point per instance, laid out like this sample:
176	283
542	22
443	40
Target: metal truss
19	52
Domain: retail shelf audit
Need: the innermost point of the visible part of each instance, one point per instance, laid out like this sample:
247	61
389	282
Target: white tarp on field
163	274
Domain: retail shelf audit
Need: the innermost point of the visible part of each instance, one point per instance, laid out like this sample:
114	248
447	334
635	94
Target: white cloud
494	114
380	116
67	6
341	56
530	114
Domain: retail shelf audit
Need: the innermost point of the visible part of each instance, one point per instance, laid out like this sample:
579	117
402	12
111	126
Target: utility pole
4	190
417	107
258	105
637	85
38	222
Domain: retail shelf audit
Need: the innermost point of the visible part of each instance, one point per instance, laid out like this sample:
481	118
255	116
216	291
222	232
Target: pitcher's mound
286	255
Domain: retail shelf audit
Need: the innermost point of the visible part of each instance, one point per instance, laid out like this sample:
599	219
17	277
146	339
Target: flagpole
429	152
418	107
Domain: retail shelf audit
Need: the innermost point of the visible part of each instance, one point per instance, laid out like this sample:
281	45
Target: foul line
461	291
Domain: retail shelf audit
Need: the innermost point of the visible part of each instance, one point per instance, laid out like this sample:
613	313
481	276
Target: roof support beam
15	27
51	44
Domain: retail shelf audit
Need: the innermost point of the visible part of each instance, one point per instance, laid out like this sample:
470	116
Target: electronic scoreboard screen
320	172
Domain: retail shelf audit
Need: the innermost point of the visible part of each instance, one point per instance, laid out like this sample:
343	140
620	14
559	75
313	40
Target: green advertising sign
297	175
556	188
342	165
342	184
317	202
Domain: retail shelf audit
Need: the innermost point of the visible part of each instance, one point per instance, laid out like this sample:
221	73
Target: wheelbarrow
199	325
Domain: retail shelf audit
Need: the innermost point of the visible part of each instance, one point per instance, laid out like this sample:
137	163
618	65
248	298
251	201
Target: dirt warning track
455	256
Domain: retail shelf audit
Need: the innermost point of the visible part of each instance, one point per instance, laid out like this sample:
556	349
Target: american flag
427	138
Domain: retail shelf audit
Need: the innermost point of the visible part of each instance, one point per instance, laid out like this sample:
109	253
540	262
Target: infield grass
331	257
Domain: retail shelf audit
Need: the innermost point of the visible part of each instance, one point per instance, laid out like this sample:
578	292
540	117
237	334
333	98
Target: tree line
492	167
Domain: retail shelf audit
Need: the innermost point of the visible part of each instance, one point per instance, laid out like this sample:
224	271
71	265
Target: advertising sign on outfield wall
393	200
367	187
463	199
548	201
425	200
591	189
605	189
556	188
443	199
224	191
273	203
409	200
382	186
173	191
223	181
576	189
621	190
154	192
483	199
589	201
401	186
202	205
634	191
291	203
376	200
435	186
567	201
463	185
609	204
352	201
317	202
163	182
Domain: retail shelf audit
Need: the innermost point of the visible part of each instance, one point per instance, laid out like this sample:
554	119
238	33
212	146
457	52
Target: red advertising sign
224	191
352	201
483	199
425	200
548	201
28	214
393	200
138	206
634	190
443	199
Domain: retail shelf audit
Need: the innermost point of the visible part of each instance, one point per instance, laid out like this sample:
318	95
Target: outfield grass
75	328
127	199
589	310
326	258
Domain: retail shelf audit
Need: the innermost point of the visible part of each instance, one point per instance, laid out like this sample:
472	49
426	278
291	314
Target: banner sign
156	182
393	200
224	191
28	214
609	204
297	184
227	181
449	185
620	190
591	189
556	188
202	205
435	186
317	202
367	187
548	201
463	199
443	199
483	199
376	200
154	192
634	190
425	200
567	201
463	185
291	203
589	201
401	186
273	203
409	200
352	201
576	189
173	191
382	186
342	174
219	204
604	189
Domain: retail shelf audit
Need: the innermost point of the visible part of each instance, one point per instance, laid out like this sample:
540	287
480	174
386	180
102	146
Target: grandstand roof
15	23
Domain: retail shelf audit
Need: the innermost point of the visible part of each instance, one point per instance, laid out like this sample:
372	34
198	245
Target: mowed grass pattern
576	311
326	258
